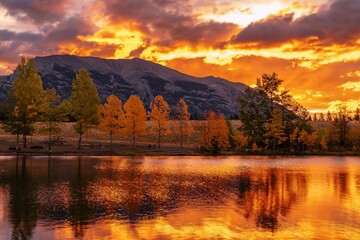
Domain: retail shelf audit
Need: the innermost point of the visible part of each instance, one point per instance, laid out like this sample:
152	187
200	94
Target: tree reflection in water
81	192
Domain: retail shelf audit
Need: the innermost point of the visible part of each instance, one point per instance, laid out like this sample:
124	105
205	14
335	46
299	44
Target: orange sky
312	44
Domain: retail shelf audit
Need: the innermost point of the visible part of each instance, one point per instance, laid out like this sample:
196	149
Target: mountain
136	76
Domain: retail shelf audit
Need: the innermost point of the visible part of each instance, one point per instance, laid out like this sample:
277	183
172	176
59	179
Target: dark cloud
337	22
13	44
169	22
69	29
6	35
38	11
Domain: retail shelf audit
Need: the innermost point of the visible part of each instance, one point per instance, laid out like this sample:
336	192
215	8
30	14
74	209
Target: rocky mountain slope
144	78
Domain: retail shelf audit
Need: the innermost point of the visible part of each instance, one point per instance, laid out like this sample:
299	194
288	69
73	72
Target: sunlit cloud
353	74
351	105
354	86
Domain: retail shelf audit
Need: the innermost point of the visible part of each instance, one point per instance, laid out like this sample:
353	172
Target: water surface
179	198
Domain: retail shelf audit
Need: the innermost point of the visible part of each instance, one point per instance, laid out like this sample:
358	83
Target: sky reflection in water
179	197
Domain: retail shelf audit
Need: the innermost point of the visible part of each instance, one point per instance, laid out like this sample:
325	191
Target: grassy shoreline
143	150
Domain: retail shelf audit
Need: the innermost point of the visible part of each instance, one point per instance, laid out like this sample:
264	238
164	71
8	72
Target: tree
83	103
256	105
135	118
54	114
253	113
214	132
275	128
357	114
159	117
328	116
27	99
341	124
182	127
111	117
294	140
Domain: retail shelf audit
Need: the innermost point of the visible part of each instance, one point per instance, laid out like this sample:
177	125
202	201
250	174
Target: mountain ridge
124	77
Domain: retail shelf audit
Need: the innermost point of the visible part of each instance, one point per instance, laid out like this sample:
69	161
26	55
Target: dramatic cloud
38	11
6	35
336	22
166	24
70	29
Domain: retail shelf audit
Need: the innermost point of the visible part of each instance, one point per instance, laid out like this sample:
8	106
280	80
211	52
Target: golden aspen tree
135	118
214	132
83	103
29	100
159	117
303	138
294	140
182	127
241	140
112	117
221	131
275	128
324	144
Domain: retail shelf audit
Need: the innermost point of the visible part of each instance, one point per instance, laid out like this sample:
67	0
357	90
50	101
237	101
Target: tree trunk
274	144
49	146
24	140
111	140
133	134
159	134
79	142
181	135
17	142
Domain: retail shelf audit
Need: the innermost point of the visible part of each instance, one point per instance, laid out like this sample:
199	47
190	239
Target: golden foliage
182	126
159	117
214	128
275	128
135	118
111	116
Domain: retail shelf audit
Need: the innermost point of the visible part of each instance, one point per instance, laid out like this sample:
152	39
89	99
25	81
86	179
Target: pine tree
182	127
83	103
28	101
275	128
159	117
135	118
111	117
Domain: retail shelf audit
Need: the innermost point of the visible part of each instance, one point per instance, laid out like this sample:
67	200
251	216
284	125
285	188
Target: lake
179	197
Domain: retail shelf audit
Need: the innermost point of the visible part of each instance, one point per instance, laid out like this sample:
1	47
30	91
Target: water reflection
197	198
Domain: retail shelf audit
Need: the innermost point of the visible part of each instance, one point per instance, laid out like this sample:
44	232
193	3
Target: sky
314	45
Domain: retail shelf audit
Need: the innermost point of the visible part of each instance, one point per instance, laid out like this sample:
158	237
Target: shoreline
161	152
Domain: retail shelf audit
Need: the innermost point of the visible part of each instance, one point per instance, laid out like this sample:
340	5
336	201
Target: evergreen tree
28	101
135	118
111	117
159	117
341	124
253	114
83	103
